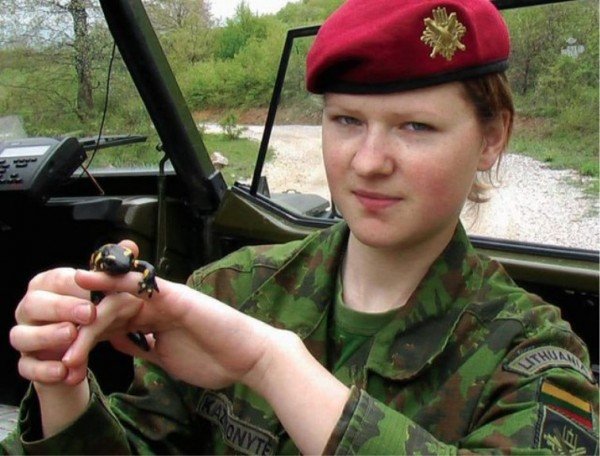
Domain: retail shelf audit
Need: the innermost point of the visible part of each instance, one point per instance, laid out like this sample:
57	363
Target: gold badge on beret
443	33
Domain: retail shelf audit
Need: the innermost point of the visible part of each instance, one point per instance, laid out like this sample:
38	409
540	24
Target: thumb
76	374
112	315
129	244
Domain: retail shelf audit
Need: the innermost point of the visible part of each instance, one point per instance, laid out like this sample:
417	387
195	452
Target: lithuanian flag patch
567	404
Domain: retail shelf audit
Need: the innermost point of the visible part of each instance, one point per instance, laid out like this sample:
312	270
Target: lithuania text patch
537	359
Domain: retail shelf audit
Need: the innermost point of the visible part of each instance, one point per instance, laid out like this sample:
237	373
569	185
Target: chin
384	242
398	236
378	237
381	245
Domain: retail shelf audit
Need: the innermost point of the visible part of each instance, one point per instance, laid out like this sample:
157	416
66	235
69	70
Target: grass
241	154
559	148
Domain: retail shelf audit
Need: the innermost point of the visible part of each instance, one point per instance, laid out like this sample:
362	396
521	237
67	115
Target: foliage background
228	68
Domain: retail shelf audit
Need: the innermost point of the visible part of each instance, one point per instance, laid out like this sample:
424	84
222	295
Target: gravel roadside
530	201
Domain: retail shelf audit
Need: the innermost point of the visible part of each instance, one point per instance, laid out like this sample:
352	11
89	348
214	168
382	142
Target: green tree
539	34
60	31
81	55
239	29
307	12
244	80
184	27
554	71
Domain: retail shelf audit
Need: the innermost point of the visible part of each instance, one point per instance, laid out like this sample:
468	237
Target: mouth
373	201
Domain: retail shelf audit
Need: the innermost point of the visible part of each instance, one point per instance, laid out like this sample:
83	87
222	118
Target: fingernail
57	372
67	356
83	313
65	333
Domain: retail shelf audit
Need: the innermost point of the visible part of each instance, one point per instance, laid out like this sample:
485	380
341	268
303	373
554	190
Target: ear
495	138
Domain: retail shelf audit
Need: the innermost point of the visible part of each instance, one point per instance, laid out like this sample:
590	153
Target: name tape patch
538	359
239	434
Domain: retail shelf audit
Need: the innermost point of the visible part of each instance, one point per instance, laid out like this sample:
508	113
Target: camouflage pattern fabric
472	364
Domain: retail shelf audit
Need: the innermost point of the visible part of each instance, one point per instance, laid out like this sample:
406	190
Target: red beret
382	46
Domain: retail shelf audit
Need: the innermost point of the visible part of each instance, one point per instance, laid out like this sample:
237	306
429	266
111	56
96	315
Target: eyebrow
396	113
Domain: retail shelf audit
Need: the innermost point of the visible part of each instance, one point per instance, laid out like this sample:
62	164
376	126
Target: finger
113	315
129	244
106	283
41	371
40	306
50	337
76	375
59	280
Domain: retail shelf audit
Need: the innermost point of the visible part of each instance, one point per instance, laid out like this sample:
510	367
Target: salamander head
112	259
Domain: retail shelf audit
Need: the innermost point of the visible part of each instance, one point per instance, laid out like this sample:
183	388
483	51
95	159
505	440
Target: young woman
386	333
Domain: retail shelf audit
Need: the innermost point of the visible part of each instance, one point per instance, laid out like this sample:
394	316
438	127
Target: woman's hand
194	337
48	317
206	343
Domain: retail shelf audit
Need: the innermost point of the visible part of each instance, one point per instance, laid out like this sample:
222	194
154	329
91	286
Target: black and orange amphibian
114	260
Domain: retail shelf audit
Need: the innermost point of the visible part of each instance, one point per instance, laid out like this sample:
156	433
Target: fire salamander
114	260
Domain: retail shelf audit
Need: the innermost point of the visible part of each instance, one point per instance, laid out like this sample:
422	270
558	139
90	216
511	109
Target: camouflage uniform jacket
472	363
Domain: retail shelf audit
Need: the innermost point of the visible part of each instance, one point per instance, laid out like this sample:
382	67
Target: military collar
421	331
299	294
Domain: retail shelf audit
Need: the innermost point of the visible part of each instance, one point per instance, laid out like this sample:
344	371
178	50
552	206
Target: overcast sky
222	9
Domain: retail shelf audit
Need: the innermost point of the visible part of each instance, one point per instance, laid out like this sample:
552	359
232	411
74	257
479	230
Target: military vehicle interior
183	215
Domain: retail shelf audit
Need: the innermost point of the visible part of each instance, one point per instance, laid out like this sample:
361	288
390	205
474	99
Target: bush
246	80
581	113
230	127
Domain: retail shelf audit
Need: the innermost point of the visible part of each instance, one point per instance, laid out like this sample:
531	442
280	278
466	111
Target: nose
373	156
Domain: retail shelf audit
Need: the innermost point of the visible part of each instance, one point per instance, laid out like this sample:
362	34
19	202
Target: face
400	166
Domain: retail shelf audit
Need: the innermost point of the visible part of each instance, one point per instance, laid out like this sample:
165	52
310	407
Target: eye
417	126
347	120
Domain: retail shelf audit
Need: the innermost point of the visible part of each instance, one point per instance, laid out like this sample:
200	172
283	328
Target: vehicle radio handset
34	167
